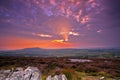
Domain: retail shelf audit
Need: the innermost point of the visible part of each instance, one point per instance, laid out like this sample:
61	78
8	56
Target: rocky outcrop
30	73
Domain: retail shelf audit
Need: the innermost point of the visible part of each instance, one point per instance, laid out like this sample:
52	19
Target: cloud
52	2
85	19
99	31
42	35
74	33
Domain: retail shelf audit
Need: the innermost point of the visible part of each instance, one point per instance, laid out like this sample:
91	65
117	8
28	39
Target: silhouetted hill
84	53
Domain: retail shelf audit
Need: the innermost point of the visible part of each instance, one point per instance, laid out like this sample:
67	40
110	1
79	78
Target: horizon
56	24
99	48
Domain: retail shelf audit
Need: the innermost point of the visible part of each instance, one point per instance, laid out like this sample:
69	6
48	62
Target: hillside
82	53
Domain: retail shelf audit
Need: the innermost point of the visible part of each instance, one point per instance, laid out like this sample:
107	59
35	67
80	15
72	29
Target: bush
68	73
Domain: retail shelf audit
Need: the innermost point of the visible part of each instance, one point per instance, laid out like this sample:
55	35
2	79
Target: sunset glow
19	43
59	24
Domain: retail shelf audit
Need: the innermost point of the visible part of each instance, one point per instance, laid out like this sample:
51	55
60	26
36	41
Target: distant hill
82	53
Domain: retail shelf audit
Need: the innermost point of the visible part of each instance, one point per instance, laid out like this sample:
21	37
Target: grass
71	74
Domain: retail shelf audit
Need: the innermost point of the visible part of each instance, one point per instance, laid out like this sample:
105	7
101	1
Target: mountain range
84	53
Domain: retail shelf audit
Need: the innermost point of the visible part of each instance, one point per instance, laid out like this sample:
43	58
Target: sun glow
19	43
60	26
59	41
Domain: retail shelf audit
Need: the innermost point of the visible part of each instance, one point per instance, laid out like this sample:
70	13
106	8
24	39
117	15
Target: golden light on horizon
20	43
59	41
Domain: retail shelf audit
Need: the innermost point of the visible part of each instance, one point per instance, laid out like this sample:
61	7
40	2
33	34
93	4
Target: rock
31	73
19	68
2	77
64	77
49	78
4	74
7	71
101	78
57	77
16	74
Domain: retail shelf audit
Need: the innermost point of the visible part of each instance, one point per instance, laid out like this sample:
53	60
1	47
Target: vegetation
80	53
109	68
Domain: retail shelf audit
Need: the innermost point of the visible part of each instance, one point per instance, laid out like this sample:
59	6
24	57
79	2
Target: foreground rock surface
30	73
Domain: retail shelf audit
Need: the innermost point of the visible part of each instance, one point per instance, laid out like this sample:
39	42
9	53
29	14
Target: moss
102	73
44	77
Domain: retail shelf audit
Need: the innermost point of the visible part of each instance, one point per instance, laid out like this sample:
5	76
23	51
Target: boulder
31	73
57	77
49	78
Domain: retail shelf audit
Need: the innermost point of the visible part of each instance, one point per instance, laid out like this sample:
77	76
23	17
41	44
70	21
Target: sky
55	24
